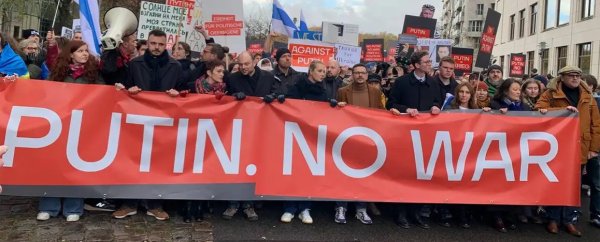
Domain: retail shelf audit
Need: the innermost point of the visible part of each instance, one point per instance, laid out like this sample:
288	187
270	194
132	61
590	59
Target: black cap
495	67
281	52
374	78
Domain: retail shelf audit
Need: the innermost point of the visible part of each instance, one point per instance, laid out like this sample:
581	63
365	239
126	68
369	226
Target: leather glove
239	96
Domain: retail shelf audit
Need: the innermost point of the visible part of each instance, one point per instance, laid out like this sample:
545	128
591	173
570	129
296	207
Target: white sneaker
363	216
340	215
73	218
305	216
287	217
43	216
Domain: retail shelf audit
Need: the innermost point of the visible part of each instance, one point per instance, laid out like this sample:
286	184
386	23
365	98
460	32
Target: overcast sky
373	16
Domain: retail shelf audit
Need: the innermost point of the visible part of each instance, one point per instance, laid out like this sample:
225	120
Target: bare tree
257	23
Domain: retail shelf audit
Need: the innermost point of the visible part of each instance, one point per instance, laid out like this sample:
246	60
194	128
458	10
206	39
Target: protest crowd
405	85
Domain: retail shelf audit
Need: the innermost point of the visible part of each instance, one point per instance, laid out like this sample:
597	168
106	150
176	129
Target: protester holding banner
74	65
416	92
494	79
464	98
114	63
154	71
445	77
213	83
508	97
251	80
10	61
483	99
333	81
284	71
211	52
359	93
531	90
568	92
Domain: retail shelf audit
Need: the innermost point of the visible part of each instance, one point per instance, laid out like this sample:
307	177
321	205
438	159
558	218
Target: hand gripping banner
71	140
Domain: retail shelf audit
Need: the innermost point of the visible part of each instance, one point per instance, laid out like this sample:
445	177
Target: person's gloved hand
269	98
333	103
281	98
239	96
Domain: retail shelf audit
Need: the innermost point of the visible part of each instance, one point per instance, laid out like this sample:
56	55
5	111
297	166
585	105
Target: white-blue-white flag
281	21
303	26
89	13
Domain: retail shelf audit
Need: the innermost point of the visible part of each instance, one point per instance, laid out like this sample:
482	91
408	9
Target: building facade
551	33
16	16
463	20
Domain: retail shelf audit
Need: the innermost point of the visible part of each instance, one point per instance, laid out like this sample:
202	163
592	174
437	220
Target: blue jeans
358	205
593	172
293	207
53	205
245	204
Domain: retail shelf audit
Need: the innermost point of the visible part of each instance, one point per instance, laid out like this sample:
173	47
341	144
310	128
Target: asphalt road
268	228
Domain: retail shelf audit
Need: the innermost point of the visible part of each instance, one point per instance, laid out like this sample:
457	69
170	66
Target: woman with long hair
531	90
464	97
74	65
508	97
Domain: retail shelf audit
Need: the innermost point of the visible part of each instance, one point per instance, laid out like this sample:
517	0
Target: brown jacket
589	118
345	95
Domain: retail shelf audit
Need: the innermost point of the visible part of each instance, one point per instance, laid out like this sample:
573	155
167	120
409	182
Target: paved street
17	223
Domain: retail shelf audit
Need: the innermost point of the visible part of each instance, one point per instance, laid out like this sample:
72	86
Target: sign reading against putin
305	51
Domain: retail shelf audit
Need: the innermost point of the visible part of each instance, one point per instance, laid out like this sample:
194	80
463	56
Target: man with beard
154	71
333	81
494	79
284	71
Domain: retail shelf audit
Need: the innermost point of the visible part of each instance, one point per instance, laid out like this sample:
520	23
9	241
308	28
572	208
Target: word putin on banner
91	140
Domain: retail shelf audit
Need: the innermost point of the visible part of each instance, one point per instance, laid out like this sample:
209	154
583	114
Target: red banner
90	137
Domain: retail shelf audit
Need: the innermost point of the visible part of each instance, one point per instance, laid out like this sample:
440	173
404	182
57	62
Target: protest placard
347	55
464	60
339	33
517	65
372	50
170	19
305	51
224	20
437	48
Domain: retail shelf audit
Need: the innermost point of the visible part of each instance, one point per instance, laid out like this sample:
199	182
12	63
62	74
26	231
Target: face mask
266	68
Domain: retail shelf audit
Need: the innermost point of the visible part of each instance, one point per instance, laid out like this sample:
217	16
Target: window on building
587	8
521	23
533	20
476	40
530	60
501	64
475	26
564	11
550	13
584	57
561	57
545	56
479	9
512	27
493	6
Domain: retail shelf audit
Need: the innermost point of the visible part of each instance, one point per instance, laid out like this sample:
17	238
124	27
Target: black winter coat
287	81
260	84
332	84
408	92
446	89
306	90
497	105
111	71
166	75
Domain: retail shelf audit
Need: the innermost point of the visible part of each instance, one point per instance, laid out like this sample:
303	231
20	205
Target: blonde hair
313	65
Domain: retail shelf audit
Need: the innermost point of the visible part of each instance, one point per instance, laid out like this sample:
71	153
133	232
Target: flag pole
55	13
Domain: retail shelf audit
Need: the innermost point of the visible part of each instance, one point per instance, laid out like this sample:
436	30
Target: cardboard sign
167	18
224	20
339	33
306	51
488	39
437	48
77	140
308	35
347	55
464	60
517	65
76	25
419	26
373	50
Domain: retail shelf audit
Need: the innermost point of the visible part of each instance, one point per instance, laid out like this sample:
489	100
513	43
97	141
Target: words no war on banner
66	142
305	51
517	65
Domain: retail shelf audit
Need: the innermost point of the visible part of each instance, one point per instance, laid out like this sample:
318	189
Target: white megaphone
119	22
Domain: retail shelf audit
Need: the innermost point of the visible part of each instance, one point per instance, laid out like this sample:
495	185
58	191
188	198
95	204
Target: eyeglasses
574	75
